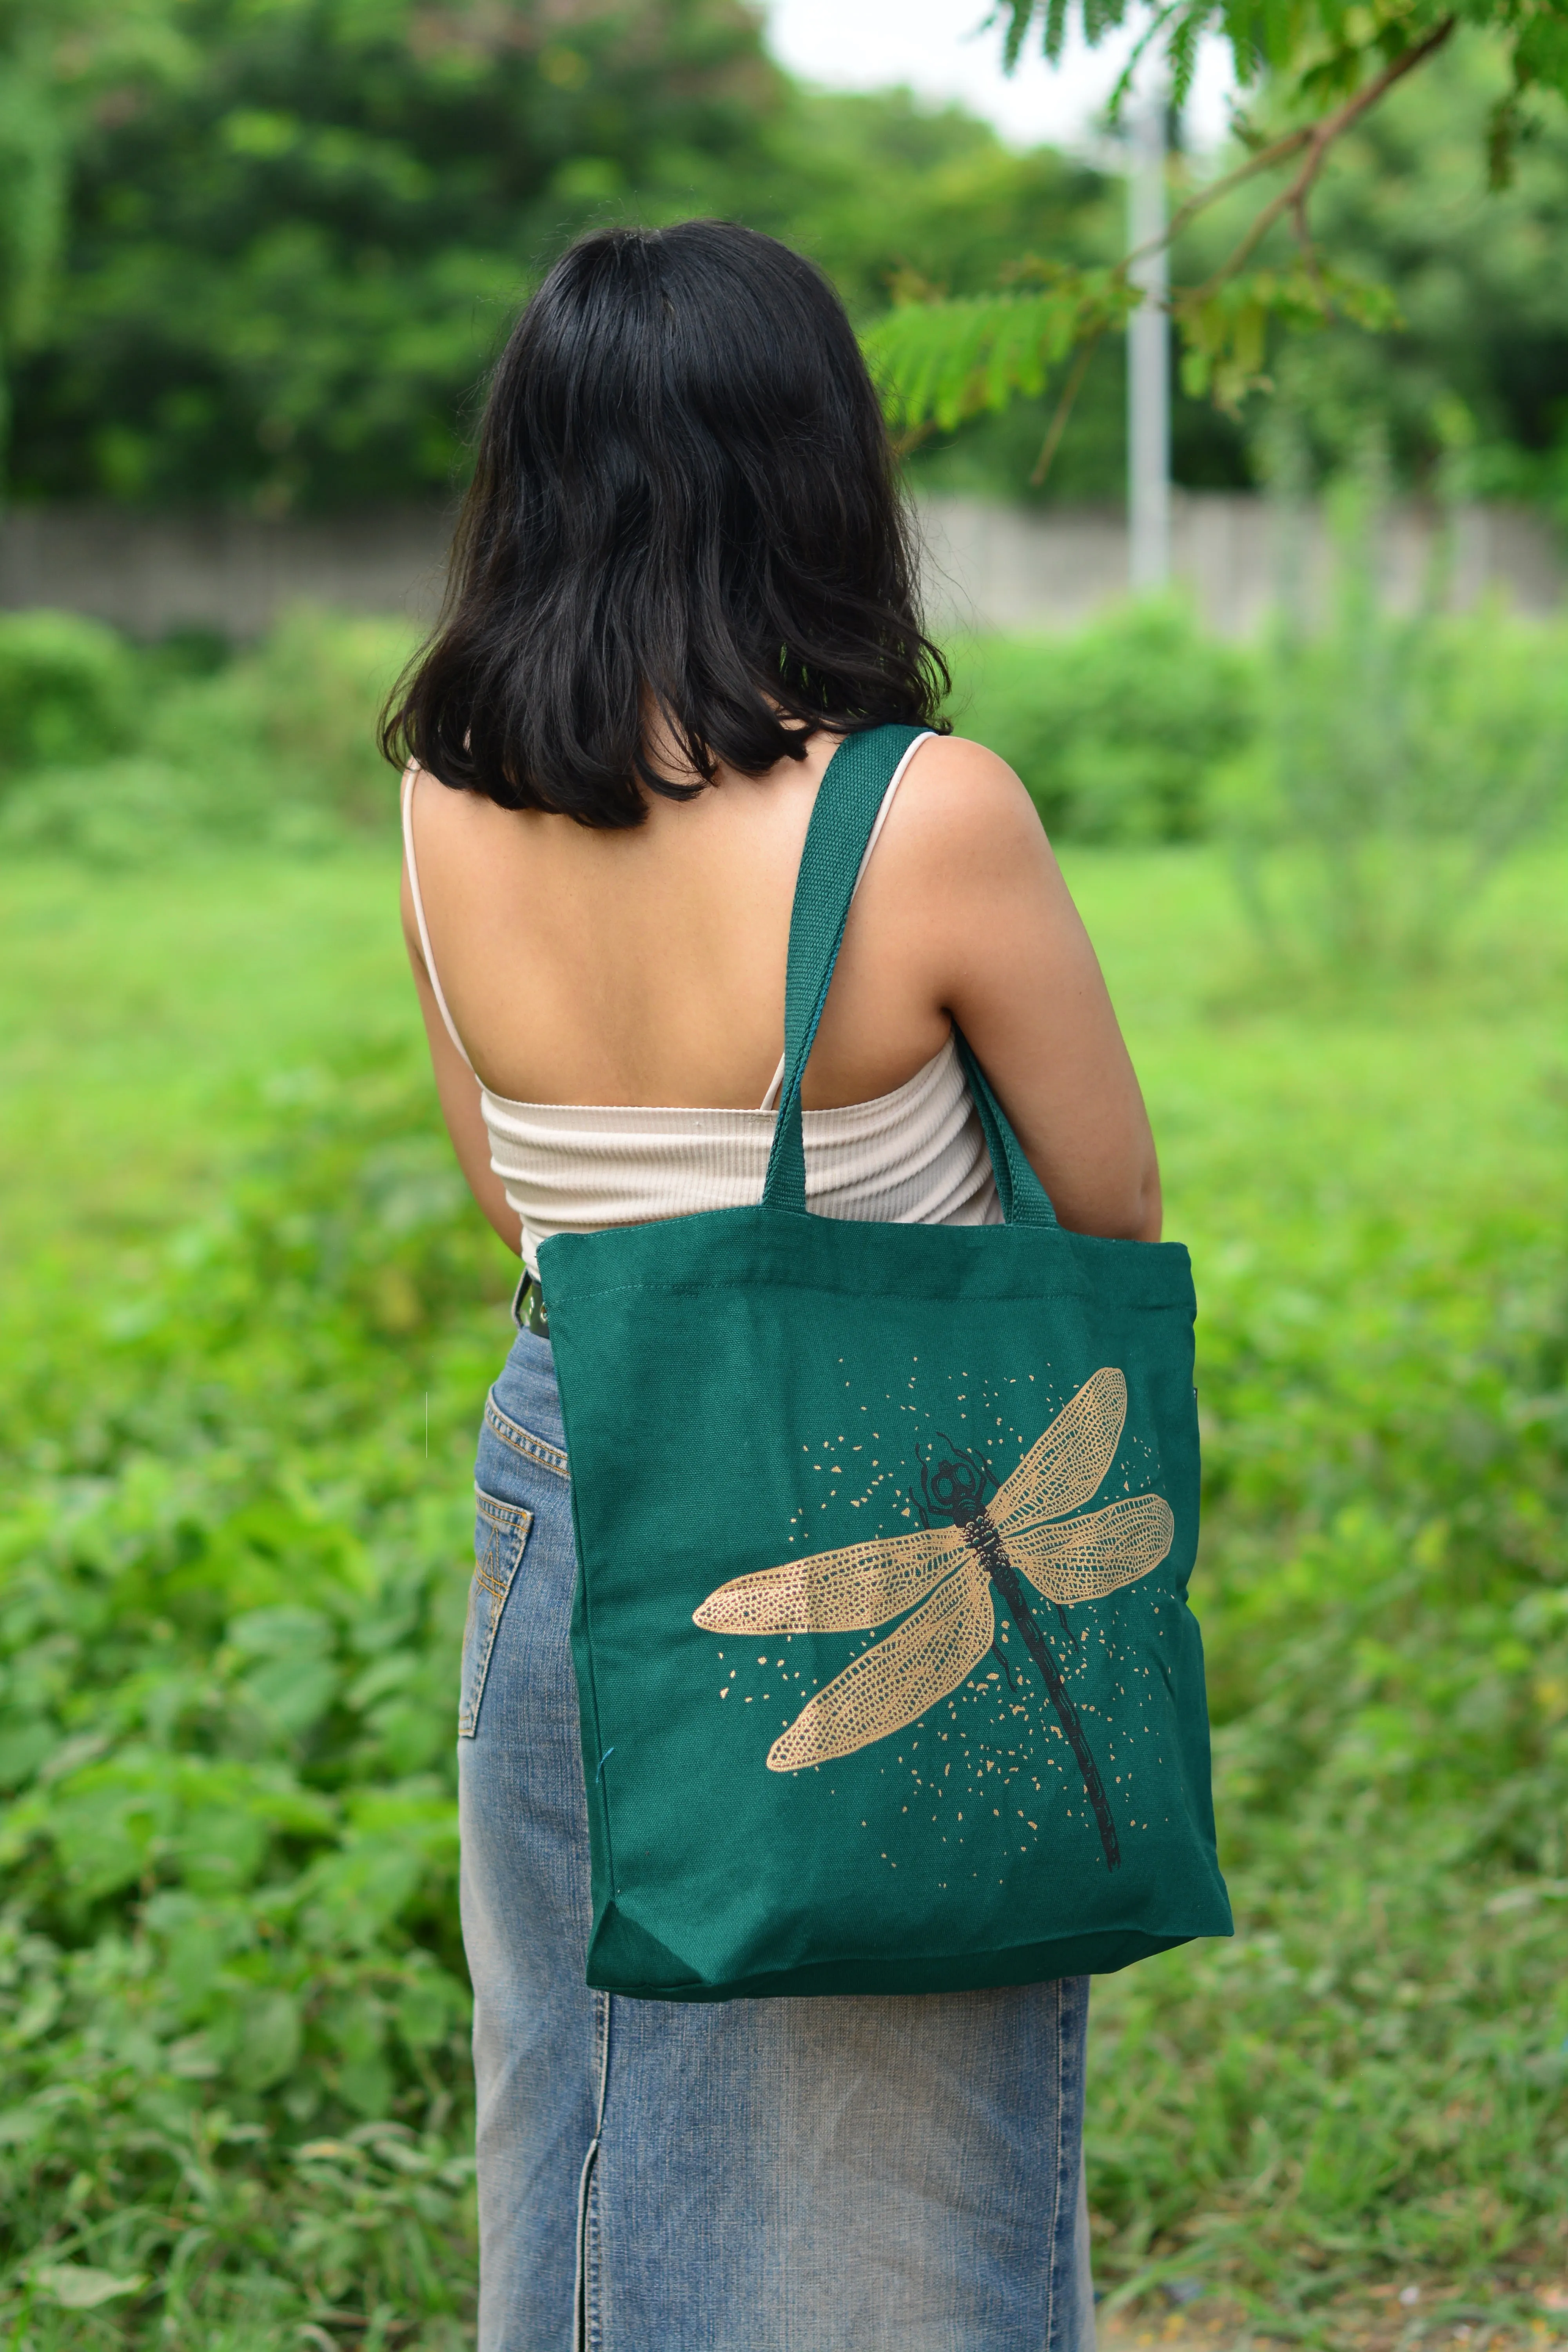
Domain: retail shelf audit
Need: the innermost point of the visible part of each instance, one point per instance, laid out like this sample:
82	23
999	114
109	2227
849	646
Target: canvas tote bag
886	1676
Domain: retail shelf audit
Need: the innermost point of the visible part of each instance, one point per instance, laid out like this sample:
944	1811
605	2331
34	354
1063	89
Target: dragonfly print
949	1574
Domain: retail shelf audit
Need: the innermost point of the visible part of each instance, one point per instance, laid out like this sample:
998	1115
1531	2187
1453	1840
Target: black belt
528	1306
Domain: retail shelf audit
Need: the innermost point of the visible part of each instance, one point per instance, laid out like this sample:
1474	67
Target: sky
935	47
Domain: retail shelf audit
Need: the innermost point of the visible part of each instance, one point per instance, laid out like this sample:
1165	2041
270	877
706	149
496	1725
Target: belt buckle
528	1310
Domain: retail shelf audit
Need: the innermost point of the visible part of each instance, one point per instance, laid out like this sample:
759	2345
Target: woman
683	574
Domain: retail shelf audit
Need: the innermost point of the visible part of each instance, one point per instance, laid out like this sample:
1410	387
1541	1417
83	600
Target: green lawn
238	1274
140	1015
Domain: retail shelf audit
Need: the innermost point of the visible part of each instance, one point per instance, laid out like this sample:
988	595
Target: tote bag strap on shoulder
848	800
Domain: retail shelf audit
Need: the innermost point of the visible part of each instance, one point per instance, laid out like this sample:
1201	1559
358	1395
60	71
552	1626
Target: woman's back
648	966
645	967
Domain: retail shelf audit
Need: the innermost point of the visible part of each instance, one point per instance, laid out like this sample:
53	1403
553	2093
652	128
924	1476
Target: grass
142	1015
231	1590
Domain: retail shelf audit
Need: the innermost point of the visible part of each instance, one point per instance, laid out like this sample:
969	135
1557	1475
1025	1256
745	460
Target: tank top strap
771	1100
410	776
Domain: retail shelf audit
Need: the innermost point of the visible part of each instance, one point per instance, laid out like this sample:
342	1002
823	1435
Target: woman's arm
1015	969
459	1092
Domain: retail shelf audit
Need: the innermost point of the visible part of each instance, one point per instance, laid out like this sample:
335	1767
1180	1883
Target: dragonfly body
980	1533
944	1577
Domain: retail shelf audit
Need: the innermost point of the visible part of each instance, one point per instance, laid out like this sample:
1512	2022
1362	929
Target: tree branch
1318	138
1064	408
1279	151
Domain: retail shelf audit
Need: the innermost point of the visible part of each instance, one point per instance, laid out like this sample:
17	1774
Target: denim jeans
894	2175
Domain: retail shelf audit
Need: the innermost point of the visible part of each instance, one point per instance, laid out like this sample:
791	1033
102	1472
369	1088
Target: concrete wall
151	573
1003	567
987	565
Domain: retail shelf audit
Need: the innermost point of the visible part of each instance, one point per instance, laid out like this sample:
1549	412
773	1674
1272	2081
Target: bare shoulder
463	841
447	827
952	766
445	819
962	811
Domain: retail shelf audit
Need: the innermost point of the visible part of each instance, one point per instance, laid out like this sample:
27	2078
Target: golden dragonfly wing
842	1591
1062	1469
896	1680
1083	1559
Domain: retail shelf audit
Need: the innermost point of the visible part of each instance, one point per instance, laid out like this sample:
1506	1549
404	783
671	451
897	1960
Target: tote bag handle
848	800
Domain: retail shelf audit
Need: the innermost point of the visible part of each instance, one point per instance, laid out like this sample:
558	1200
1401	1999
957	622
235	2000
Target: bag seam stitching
822	1290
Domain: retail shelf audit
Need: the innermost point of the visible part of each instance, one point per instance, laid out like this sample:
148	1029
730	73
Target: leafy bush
1116	729
67	691
276	746
141	810
1375	2073
1401	758
231	1992
293	721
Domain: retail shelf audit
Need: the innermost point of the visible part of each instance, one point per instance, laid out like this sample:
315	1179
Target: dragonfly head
955	1487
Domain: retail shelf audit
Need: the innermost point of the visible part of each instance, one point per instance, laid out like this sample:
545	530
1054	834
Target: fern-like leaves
940	362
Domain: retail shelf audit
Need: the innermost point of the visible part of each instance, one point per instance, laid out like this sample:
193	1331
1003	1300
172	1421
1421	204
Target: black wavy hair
685	510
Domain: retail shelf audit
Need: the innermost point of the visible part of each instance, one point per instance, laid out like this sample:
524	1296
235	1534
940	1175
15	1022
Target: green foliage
1315	50
298	712
33	172
1373	2075
945	362
1325	71
276	746
67	691
1432	300
1402	757
294	244
1370	772
55	63
875	185
294	238
263	255
1116	730
1479	348
1226	334
233	1995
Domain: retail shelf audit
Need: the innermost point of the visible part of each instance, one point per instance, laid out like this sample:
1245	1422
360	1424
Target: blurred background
255	259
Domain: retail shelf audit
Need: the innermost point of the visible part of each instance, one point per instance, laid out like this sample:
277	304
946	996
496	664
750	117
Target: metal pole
1148	355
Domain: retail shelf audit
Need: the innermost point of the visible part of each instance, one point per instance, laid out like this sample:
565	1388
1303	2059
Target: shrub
233	2007
1115	730
323	679
275	746
67	691
293	722
1401	757
141	810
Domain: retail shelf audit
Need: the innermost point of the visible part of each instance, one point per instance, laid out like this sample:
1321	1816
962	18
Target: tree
293	247
52	61
1472	388
1321	68
258	252
289	251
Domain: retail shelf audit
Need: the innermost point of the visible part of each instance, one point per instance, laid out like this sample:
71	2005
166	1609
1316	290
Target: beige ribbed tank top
915	1157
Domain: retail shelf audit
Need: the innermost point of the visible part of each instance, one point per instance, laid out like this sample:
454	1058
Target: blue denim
893	2175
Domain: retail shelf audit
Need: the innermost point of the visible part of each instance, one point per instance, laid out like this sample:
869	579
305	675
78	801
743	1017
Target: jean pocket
500	1532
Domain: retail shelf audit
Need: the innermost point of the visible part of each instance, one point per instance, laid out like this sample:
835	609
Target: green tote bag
886	1676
